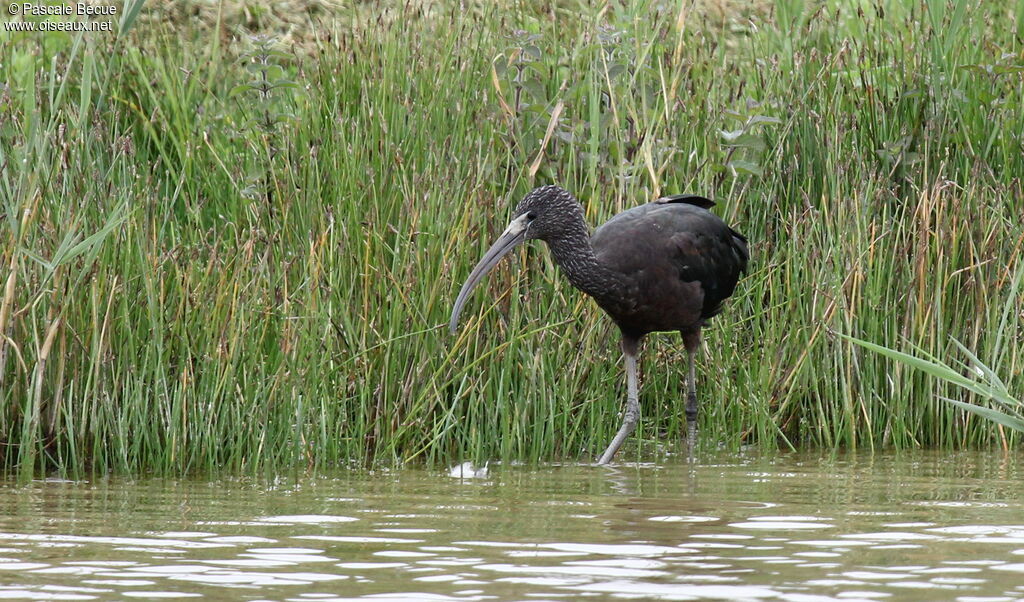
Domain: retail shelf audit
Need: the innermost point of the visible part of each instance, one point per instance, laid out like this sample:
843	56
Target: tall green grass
189	288
994	400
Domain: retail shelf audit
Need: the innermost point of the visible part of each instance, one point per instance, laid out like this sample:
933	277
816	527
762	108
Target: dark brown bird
666	265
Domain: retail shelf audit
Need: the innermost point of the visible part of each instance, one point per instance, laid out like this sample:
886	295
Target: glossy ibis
666	265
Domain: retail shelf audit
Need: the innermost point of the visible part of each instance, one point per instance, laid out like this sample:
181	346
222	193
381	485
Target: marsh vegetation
226	251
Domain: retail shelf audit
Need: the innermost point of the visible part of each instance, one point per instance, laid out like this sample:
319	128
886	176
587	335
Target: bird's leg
691	405
691	340
632	414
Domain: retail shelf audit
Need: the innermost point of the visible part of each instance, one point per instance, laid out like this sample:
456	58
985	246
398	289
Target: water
912	526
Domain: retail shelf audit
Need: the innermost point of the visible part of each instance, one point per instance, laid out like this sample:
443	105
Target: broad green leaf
743	166
998	417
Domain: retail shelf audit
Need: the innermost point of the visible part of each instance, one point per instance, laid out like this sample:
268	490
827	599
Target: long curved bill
512	237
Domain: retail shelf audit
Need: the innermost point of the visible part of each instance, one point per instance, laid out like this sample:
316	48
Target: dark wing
690	199
678	253
713	254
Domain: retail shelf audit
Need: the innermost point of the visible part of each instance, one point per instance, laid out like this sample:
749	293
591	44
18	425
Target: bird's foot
691	439
629	421
609	452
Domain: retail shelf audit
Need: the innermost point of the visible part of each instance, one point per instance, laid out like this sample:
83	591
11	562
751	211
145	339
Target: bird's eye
530	215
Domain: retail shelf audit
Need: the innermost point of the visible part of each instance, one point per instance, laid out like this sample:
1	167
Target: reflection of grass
154	316
973	375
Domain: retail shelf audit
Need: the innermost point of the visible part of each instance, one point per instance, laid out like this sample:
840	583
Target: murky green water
922	525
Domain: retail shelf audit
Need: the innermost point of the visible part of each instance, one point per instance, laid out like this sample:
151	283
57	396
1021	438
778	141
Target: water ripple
782	528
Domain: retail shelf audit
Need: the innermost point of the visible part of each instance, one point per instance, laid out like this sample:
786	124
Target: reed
994	401
211	265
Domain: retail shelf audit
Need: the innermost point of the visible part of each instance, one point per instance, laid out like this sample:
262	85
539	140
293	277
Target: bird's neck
574	255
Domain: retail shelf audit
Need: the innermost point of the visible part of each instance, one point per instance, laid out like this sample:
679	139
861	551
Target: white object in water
466	470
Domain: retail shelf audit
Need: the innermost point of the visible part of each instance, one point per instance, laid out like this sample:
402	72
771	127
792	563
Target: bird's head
546	212
543	214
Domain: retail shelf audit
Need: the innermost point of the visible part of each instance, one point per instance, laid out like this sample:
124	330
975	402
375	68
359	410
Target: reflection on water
922	525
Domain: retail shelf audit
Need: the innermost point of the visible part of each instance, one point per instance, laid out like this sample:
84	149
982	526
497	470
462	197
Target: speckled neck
571	250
